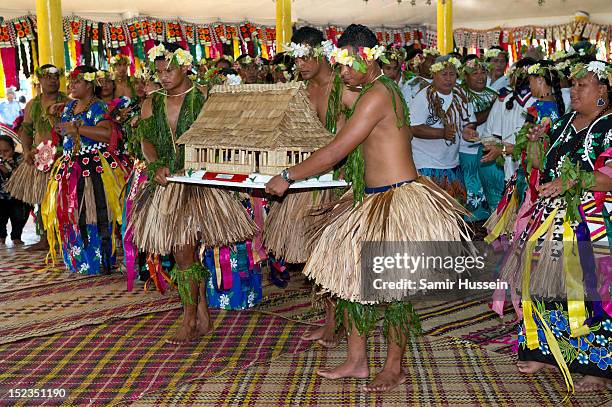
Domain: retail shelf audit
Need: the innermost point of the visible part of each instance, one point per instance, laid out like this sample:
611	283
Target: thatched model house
246	129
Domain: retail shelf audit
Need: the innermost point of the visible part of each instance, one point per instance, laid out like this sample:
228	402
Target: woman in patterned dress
561	261
82	202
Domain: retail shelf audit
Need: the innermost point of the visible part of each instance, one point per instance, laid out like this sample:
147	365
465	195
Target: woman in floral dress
561	261
82	202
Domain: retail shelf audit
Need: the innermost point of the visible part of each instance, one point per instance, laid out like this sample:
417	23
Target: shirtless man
179	90
37	127
123	83
382	134
324	87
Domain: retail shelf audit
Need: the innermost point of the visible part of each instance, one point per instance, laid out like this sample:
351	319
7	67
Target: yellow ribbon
503	221
217	266
48	212
530	313
573	283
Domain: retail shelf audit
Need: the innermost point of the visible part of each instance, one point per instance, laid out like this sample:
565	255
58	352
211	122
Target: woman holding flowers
561	261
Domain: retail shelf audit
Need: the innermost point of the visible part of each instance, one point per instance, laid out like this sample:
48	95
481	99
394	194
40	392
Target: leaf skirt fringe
289	221
165	218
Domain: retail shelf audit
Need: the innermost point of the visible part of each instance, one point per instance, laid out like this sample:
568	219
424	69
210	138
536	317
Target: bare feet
386	380
330	338
357	369
17	242
41	245
185	334
314	334
531	366
592	383
204	325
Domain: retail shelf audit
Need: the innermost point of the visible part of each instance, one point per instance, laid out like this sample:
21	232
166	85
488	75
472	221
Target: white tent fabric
481	14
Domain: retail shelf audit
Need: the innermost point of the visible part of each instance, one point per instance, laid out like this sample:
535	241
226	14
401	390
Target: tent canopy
466	13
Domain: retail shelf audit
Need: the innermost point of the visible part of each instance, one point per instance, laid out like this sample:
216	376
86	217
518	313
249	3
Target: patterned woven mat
130	357
21	269
441	371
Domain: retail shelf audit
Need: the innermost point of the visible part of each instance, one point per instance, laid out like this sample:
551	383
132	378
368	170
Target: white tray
258	181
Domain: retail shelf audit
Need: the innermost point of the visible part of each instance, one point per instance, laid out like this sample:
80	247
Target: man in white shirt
440	115
498	58
9	109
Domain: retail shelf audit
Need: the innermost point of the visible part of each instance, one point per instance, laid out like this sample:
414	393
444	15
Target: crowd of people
464	145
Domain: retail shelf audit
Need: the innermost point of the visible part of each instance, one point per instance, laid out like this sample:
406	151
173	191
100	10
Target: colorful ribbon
226	267
573	283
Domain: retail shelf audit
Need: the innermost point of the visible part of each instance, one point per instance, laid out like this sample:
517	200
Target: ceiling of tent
342	12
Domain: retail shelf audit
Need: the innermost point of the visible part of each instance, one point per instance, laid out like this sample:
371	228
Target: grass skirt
164	218
27	184
288	222
413	212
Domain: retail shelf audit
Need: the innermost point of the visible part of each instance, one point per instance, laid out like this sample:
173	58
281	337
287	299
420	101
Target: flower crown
562	54
431	52
227	58
305	51
359	60
247	60
396	52
203	61
104	75
120	59
180	57
452	62
51	70
539	70
600	69
494	53
417	60
77	75
473	64
144	74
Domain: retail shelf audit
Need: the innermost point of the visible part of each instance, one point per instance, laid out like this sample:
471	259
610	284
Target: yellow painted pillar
50	33
283	23
445	26
581	17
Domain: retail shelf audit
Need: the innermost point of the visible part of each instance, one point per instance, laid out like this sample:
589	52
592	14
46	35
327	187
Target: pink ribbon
249	250
600	165
605	269
258	210
226	267
129	248
73	200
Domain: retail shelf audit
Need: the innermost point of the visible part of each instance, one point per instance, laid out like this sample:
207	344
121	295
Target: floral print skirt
590	354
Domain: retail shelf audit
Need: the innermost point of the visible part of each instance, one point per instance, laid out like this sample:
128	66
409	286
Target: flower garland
598	68
102	75
396	52
322	50
248	60
431	52
40	72
120	59
451	62
77	75
539	70
359	60
180	57
473	65
494	53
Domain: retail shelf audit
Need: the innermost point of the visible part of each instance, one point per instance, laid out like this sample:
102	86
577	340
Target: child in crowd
10	209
